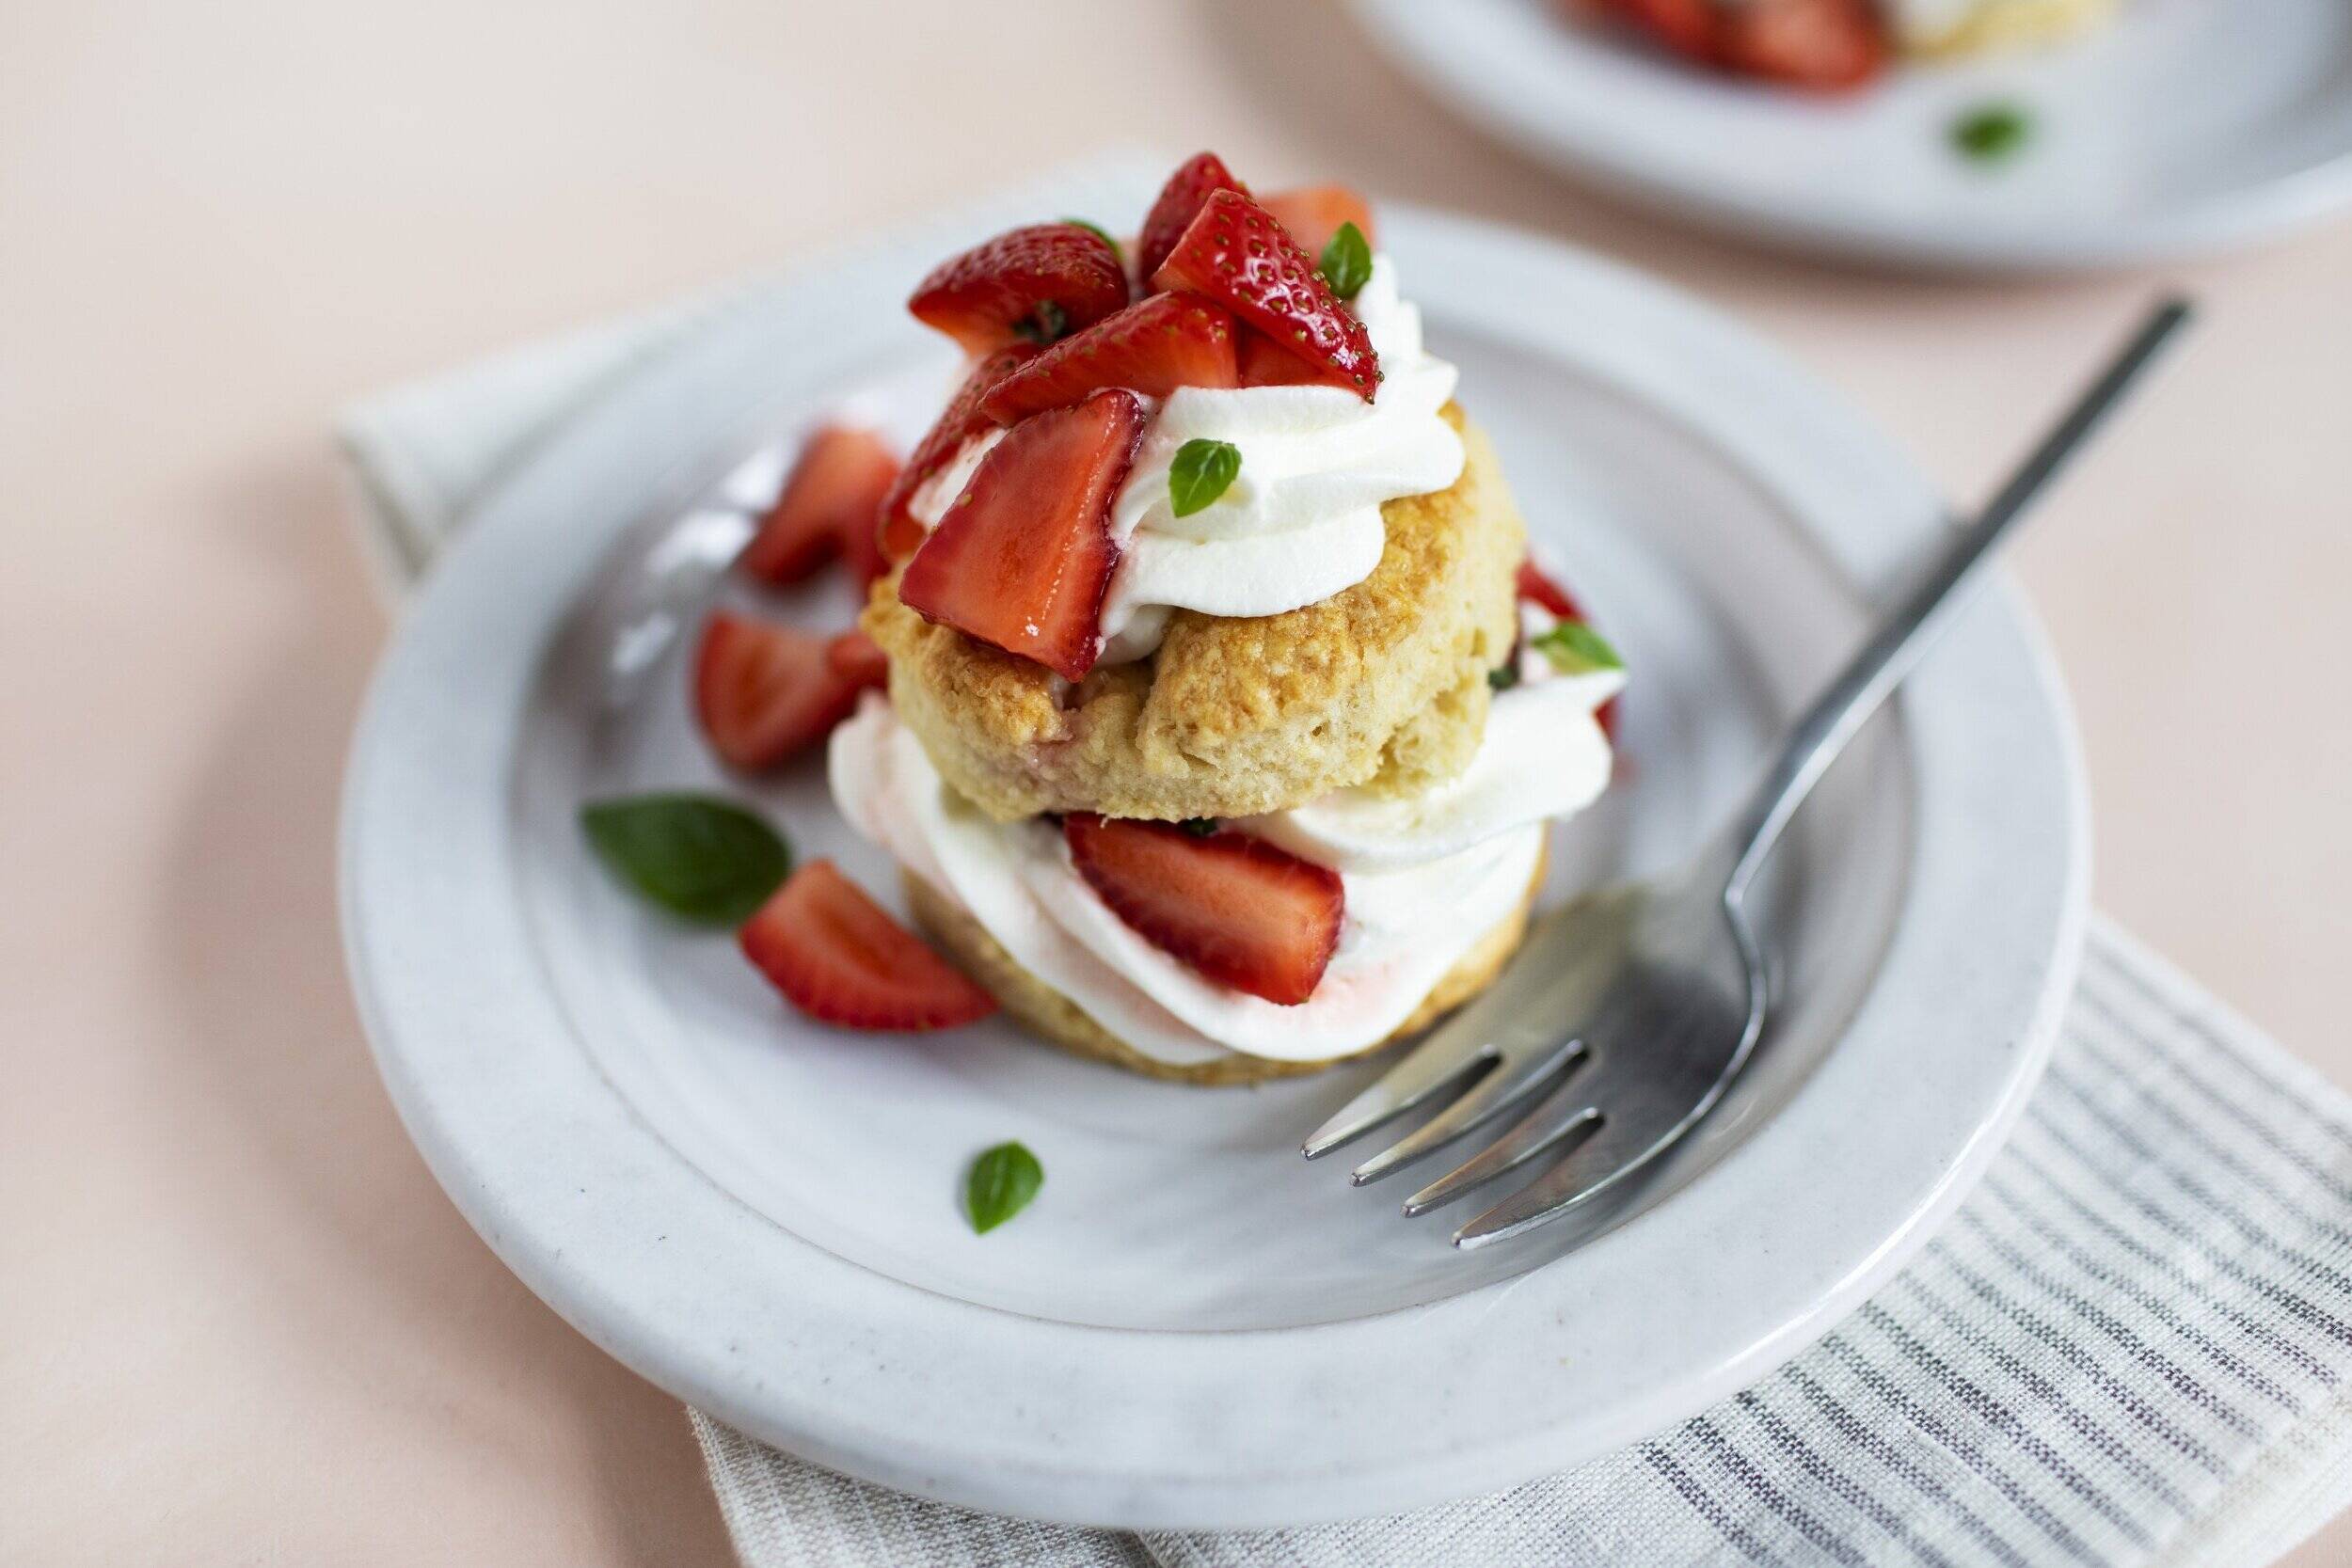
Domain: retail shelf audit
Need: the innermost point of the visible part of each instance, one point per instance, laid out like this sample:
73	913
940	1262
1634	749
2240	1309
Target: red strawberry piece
1166	341
764	690
1686	27
858	660
1819	45
1314	214
1178	204
827	504
1029	284
898	533
1021	559
839	958
1233	908
1237	254
1538	589
1263	362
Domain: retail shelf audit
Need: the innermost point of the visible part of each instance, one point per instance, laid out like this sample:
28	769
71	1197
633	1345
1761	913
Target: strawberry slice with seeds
1314	214
898	534
1032	284
1537	588
763	691
826	505
1166	341
1235	908
1818	45
1235	253
1021	559
1177	203
839	958
858	660
1263	362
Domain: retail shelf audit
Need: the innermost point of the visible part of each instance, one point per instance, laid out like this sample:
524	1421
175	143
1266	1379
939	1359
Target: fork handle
1906	634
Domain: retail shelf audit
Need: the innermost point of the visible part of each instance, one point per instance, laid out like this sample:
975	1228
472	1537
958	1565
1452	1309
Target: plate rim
1440	60
598	1265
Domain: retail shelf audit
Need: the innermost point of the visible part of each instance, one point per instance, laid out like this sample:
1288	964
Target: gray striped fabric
2128	1347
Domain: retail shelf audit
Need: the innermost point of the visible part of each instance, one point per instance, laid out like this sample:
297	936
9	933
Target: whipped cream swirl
1302	521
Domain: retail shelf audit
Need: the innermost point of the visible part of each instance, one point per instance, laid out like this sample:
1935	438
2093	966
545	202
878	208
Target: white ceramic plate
2191	126
1192	1326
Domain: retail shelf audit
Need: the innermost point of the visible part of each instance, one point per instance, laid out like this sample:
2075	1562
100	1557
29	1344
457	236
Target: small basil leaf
1098	231
1347	261
705	860
1503	677
1045	324
1001	1183
1992	133
1203	470
1200	826
1575	649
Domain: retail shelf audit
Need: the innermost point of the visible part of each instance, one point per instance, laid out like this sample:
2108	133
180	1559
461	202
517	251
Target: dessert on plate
1835	45
1205	694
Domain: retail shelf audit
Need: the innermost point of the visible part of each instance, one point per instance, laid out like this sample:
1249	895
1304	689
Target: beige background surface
238	1322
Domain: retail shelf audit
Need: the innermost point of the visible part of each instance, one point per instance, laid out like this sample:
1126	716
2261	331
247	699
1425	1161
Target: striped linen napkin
2129	1347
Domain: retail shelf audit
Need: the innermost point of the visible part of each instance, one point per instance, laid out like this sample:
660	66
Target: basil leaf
1575	649
1044	325
1346	263
705	860
1992	133
1099	232
1200	826
1001	1183
1503	677
1203	470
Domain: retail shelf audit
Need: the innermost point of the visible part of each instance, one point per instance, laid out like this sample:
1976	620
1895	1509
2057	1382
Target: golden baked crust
1232	717
1054	1018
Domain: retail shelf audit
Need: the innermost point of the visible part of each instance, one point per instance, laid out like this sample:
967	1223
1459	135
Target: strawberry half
1263	362
1031	284
898	534
839	958
1314	214
826	505
1177	203
1819	45
858	660
764	690
1538	589
1237	254
1169	341
1021	559
1233	908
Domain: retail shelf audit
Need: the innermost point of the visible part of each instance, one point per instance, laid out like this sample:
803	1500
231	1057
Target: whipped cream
1302	521
1422	879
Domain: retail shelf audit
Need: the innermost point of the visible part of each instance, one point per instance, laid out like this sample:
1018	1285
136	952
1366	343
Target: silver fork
1627	1013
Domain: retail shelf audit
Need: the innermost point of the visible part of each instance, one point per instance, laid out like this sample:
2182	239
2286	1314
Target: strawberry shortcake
1205	694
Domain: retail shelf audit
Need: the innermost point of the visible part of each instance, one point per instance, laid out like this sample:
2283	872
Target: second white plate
1192	1326
2191	126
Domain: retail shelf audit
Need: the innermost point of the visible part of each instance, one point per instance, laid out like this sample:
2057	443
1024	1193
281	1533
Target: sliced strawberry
764	690
858	660
1234	908
1237	254
1314	214
1686	27
1031	284
827	504
898	533
839	958
1169	341
1820	45
1179	203
1021	559
1538	589
1263	362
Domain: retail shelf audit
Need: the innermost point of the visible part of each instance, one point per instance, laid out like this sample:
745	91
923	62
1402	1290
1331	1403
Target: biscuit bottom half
1053	1017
